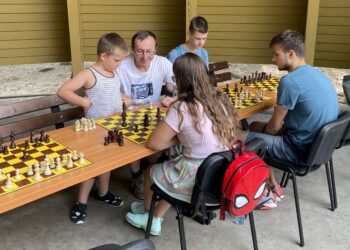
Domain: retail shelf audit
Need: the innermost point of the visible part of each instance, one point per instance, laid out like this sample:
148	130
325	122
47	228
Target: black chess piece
25	154
13	144
241	90
124	106
47	138
26	144
31	139
106	141
146	121
121	139
227	90
1	146
236	88
136	128
5	150
12	136
159	114
124	124
42	135
111	135
36	144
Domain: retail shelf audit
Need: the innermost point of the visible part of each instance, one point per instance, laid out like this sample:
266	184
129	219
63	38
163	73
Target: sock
137	174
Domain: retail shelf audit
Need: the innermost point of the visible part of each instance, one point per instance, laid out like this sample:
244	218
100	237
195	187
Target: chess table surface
133	117
35	154
102	158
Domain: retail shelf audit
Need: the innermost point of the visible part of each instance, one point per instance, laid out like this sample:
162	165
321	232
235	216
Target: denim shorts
279	147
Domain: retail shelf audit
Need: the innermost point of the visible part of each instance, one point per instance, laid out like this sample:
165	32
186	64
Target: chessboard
133	117
244	99
269	84
36	153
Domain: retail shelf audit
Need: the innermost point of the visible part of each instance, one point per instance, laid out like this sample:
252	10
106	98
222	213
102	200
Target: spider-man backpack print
244	183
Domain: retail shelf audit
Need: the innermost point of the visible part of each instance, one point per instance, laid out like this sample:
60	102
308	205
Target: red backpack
244	183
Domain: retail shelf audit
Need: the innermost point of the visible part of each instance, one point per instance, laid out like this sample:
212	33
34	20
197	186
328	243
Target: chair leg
252	229
284	179
334	186
150	215
180	220
297	207
330	186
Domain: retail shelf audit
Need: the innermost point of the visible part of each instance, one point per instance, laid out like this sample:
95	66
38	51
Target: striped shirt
104	95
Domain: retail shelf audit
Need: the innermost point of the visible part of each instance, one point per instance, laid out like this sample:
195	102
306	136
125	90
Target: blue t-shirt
181	50
311	101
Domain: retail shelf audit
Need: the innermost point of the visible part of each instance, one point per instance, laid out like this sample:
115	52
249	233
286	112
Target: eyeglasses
148	52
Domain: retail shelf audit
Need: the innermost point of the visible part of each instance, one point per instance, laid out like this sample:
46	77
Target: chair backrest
38	113
346	88
345	140
218	66
326	140
210	175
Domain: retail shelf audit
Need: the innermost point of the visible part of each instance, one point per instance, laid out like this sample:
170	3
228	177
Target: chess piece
37	176
5	150
26	144
81	158
236	88
52	163
93	123
64	158
12	136
75	155
8	181
151	106
31	139
42	166
121	139
47	171
124	124
1	146
85	126
124	106
159	114
47	138
58	164
77	126
227	90
25	155
36	144
13	144
0	174
18	174
136	128
30	170
106	141
42	135
69	161
146	121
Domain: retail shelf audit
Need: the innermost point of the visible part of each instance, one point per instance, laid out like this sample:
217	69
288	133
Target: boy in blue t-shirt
197	36
306	100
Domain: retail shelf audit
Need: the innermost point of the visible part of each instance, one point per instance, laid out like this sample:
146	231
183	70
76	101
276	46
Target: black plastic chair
142	244
346	88
322	148
206	193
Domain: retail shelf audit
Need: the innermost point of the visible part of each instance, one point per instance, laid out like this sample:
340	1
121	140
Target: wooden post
311	30
75	34
191	11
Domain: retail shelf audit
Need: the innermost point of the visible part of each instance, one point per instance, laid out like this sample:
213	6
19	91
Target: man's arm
275	125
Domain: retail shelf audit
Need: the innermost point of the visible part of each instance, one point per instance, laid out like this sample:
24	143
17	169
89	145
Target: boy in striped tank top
102	98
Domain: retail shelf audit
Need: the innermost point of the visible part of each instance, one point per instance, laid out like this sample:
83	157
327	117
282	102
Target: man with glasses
144	73
142	76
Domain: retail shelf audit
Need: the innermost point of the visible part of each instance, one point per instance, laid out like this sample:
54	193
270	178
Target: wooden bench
215	78
38	113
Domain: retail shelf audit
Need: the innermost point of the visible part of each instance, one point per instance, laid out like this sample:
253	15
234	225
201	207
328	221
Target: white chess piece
93	123
47	171
75	155
8	181
58	164
81	158
30	170
18	174
151	106
77	125
37	176
64	159
52	164
0	174
69	162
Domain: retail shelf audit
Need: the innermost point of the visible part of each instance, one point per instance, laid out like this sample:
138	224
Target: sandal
108	198
78	213
277	191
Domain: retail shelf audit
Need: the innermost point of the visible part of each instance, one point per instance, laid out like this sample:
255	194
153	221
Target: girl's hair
194	88
111	43
198	24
